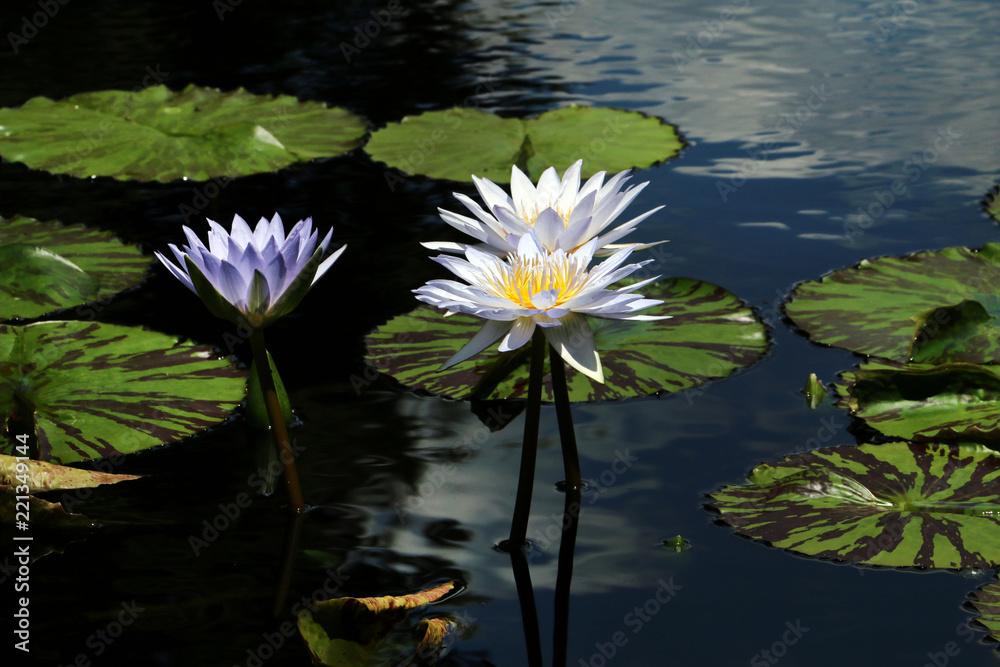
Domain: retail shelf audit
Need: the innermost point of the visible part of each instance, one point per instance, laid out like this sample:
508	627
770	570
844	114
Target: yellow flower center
526	276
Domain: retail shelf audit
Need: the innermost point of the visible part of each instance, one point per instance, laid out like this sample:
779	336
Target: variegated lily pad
924	401
345	632
986	600
456	143
101	389
929	307
897	504
45	266
710	335
158	134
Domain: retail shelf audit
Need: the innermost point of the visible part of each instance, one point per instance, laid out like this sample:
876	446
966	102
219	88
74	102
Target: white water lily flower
564	215
534	287
252	276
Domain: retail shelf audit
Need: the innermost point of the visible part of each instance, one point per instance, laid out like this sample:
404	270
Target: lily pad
899	504
458	142
710	335
986	601
40	476
45	266
347	632
931	307
101	389
924	401
158	134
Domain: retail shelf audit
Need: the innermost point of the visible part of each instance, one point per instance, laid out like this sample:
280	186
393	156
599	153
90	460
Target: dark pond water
797	115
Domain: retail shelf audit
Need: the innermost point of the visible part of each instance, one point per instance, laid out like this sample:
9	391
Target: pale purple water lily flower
535	287
252	276
563	215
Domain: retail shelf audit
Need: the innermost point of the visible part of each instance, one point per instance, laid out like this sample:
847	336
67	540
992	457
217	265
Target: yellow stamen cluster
523	276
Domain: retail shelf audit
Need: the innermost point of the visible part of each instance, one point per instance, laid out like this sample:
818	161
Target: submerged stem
526	478
280	433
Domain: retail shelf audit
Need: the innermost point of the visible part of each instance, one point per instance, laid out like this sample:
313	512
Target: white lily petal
492	331
519	334
570	188
492	194
574	341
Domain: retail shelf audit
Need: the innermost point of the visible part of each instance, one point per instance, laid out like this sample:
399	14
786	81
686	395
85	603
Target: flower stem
526	479
560	394
564	576
278	430
529	613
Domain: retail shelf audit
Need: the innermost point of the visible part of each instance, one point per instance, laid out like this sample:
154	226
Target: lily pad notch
455	143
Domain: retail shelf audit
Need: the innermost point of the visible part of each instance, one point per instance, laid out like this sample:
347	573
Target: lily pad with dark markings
101	389
930	307
157	134
986	601
900	504
710	335
46	266
924	401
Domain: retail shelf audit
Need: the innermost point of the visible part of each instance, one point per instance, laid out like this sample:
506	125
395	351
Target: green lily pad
347	632
932	307
45	266
899	504
710	335
102	389
158	134
924	401
986	601
456	143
